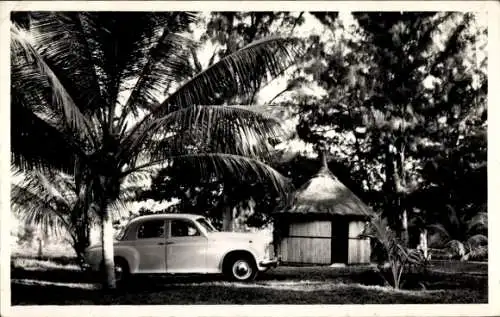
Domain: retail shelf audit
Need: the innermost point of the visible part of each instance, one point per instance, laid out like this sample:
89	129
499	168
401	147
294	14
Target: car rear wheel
242	269
122	272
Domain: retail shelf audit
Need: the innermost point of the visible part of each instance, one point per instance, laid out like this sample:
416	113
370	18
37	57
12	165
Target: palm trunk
109	281
227	218
81	239
40	248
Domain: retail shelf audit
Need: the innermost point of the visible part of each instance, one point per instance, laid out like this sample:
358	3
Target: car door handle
164	243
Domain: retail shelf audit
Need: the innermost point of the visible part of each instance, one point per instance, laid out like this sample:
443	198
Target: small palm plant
394	260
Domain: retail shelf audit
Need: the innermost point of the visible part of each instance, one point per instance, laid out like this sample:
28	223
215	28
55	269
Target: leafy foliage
405	109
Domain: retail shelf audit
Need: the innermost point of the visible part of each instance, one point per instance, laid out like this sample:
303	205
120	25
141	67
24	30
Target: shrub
478	254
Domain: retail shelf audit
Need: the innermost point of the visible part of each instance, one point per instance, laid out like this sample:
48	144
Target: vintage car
185	244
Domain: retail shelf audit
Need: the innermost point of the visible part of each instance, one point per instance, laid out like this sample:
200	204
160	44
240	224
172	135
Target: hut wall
307	243
359	248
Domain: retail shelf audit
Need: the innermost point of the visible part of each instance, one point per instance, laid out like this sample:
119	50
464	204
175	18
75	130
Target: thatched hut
321	223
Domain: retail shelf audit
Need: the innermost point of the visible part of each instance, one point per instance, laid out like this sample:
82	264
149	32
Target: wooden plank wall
308	243
321	229
359	249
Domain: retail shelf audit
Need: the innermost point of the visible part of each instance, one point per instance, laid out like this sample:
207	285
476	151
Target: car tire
241	268
122	272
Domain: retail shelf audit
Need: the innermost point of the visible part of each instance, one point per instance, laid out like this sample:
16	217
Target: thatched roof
325	194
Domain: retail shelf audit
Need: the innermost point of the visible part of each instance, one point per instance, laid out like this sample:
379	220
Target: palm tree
51	202
106	95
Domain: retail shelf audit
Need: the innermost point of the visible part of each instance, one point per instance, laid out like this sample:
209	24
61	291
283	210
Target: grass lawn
59	282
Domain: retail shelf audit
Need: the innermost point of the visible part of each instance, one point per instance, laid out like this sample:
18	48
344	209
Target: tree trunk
405	237
227	214
423	243
395	187
109	281
389	187
227	218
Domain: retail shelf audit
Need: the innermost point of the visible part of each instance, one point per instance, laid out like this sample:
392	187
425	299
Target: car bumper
269	263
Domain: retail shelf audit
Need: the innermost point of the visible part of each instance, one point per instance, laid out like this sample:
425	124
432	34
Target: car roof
165	216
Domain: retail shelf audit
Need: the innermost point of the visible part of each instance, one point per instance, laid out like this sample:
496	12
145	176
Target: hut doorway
339	241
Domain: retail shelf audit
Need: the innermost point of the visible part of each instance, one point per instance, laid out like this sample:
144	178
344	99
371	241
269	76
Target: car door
186	247
150	246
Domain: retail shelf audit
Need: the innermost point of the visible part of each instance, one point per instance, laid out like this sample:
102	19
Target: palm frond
136	178
167	62
239	130
239	73
129	194
120	208
28	132
227	167
32	80
53	186
123	43
62	39
39	210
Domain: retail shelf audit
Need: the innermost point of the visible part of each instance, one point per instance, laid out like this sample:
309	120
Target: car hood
251	236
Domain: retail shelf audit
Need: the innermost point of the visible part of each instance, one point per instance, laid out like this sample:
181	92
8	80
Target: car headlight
269	251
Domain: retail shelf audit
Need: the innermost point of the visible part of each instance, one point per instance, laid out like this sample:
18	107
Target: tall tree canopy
403	105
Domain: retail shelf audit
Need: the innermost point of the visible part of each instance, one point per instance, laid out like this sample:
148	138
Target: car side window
183	228
151	229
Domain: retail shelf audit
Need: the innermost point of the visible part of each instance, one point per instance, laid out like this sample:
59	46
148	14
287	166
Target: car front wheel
241	269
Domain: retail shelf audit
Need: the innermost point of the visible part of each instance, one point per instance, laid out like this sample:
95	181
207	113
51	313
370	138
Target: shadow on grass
40	284
226	293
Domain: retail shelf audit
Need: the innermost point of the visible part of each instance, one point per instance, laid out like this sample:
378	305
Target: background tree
390	104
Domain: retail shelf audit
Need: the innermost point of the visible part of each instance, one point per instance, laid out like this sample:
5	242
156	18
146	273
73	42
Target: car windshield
206	224
120	234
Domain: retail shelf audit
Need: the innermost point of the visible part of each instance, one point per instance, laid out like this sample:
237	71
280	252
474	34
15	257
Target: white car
185	244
